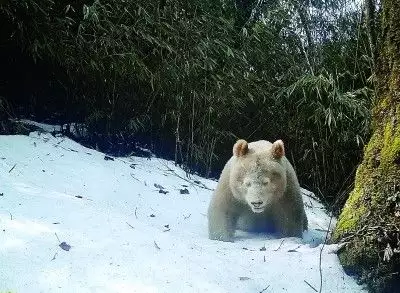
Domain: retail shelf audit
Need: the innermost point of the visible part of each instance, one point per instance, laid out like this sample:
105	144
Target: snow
126	236
43	126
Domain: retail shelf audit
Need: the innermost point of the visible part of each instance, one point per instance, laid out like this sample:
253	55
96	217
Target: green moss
361	254
391	142
377	178
355	206
351	214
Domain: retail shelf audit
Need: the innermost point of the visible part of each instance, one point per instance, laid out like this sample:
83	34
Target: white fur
259	187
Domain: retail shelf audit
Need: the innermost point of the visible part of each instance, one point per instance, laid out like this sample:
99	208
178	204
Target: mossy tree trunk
370	220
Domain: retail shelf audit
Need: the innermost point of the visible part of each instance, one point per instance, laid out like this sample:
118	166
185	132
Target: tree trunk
370	220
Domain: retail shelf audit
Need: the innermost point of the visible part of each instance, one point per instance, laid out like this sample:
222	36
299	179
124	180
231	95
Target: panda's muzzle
257	206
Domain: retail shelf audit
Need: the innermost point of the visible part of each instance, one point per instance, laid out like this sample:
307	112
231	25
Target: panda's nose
257	204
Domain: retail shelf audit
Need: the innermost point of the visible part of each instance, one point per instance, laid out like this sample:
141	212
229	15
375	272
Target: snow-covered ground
73	221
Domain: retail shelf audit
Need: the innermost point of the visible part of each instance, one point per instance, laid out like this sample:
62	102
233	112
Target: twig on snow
64	148
279	245
201	185
264	289
135	177
338	248
311	195
11	217
130	225
311	286
54	257
294	249
156	245
245	248
57	237
320	255
136	213
321	230
186	217
12	168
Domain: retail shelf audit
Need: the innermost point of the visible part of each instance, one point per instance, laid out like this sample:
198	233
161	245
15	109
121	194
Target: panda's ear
278	149
240	148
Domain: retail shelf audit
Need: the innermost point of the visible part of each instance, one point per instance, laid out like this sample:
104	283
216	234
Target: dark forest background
187	78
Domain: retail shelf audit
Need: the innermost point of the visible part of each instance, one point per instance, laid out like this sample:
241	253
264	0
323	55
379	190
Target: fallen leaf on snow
65	246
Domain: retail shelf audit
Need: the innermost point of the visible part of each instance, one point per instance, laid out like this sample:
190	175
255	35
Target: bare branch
12	168
320	255
264	289
311	286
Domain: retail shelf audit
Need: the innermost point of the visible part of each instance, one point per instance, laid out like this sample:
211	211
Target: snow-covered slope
136	225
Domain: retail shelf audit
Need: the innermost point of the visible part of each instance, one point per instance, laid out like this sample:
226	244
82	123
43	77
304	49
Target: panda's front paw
225	237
